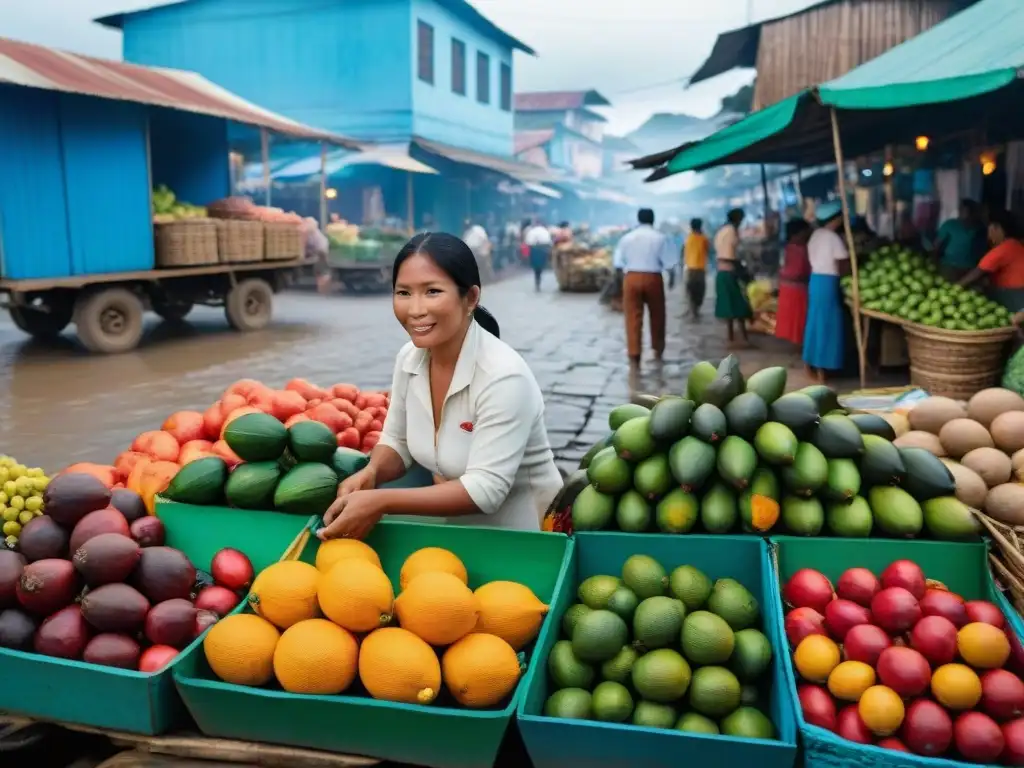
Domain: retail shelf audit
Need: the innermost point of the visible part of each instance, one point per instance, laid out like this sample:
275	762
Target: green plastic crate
436	735
561	743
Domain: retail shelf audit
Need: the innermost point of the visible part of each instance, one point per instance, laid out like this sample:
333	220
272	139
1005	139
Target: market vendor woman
1003	265
464	404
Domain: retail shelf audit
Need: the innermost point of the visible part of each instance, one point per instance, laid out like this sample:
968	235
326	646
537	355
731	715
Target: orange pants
640	289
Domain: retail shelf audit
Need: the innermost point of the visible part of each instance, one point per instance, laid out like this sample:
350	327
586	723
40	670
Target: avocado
769	383
592	510
797	411
843	481
633	441
670	419
851	520
737	461
803	517
808	472
709	424
633	514
623	413
896	512
718	512
571	488
652	477
692	461
927	477
610	474
881	463
595	449
837	437
825	397
949	519
745	414
727	384
701	375
870	424
776	443
677	512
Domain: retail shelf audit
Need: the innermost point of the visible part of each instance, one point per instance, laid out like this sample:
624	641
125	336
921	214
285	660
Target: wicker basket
1006	557
283	241
239	241
573	278
188	243
955	364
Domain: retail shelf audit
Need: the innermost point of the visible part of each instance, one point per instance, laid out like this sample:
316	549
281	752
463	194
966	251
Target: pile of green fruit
738	455
690	651
168	207
900	282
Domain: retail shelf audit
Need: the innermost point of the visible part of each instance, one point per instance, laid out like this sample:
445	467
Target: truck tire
249	305
173	312
109	320
42	325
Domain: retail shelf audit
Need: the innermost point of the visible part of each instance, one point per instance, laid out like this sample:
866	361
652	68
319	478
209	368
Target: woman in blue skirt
825	331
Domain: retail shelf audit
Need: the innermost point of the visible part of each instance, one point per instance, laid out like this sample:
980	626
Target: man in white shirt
478	241
643	255
538	239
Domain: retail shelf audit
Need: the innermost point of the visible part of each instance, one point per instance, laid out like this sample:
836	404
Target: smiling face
428	305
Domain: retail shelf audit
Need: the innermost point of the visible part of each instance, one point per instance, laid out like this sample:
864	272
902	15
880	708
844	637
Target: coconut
920	439
970	488
931	415
961	436
1007	431
992	465
989	403
1006	503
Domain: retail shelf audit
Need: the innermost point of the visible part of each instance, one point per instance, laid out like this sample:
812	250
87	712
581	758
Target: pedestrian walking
479	242
731	304
644	255
791	319
825	332
539	242
695	259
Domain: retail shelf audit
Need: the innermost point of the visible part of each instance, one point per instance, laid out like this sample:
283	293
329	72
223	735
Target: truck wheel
173	312
109	320
42	325
249	305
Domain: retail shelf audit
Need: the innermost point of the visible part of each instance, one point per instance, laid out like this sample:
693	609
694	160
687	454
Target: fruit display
738	455
896	660
92	581
21	498
900	282
167	207
243	208
663	650
317	629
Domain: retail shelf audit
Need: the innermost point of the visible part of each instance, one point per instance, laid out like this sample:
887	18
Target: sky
637	53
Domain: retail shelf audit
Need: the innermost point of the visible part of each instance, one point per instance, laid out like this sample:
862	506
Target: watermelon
199	482
256	437
312	441
348	461
251	486
308	488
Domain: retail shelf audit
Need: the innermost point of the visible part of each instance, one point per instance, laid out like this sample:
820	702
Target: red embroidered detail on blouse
466	426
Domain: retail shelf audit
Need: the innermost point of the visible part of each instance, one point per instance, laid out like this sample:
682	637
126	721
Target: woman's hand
352	516
363	480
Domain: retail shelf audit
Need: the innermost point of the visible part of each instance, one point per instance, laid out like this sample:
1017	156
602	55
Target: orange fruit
849	680
480	670
240	649
982	645
881	709
438	608
429	560
956	686
315	657
335	550
815	658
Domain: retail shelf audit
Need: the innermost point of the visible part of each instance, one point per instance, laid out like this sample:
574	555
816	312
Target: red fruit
850	726
115	608
906	574
128	503
895	609
935	638
927	729
204	620
47	586
1002	694
1016	661
218	600
843	615
231	569
43	539
939	602
112	650
978	738
70	497
858	585
986	612
106	559
865	642
894	744
148	531
905	671
64	635
156	658
11	567
818	707
164	574
801	622
172	622
808	589
1013	733
106	520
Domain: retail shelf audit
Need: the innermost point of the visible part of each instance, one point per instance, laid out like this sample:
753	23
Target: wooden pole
323	185
410	202
265	159
841	176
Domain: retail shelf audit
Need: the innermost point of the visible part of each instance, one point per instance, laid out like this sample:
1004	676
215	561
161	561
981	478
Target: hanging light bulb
988	163
921	142
887	169
330	193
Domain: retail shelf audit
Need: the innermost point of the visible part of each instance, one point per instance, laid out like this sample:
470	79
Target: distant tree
741	101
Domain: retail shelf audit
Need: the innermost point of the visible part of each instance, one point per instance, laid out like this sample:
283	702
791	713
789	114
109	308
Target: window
483	78
506	87
458	67
425	52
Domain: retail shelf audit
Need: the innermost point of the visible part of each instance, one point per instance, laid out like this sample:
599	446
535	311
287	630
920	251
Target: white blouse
492	436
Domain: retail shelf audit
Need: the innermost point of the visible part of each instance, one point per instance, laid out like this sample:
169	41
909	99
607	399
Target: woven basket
572	278
955	364
283	241
1006	557
189	243
239	241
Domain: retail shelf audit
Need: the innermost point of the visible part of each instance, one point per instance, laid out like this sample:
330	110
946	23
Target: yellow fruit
881	709
438	608
11	528
34	504
26	517
849	680
11	488
240	649
395	665
982	645
357	595
285	593
511	611
431	559
480	670
956	686
24	486
40	483
316	657
17	502
335	550
10	514
815	658
3	498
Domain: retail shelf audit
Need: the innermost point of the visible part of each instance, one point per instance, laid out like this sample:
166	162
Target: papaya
632	513
652	477
737	461
709	424
825	397
677	512
896	512
727	384
852	519
808	472
633	441
927	477
199	482
592	510
701	376
610	473
837	437
797	410
768	383
670	419
691	461
949	519
881	463
776	443
803	517
765	485
623	413
745	414
870	424
843	482
718	511
596	448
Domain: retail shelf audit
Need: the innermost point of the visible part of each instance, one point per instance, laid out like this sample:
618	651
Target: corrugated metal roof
513	168
525	140
543	101
33	66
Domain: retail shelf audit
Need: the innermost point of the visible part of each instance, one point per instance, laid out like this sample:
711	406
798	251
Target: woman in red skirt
791	316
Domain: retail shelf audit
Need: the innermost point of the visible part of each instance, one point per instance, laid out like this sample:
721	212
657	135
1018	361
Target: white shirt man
538	235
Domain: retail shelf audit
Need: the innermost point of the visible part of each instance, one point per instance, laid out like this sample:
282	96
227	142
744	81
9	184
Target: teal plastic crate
560	743
437	735
961	567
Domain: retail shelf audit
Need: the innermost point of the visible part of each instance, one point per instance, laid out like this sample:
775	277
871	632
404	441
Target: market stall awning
394	156
508	167
33	66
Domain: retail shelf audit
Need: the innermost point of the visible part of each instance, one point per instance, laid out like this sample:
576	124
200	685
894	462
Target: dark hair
696	225
564	225
645	216
1005	221
795	227
456	260
734	216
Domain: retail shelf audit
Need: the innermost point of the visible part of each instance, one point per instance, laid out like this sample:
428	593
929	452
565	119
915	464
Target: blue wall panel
189	153
33	210
106	171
